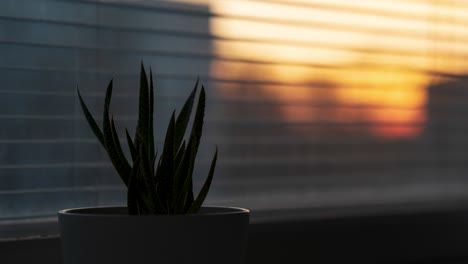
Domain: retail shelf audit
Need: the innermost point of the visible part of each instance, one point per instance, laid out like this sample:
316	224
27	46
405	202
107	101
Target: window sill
427	235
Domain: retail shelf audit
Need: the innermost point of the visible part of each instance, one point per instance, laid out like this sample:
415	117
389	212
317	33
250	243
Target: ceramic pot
104	235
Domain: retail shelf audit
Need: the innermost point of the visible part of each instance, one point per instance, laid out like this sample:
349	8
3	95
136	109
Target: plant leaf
165	173
146	176
184	193
122	168
119	150
158	202
176	182
132	191
185	171
184	117
133	150
166	188
154	164
89	118
195	135
206	187
150	118
179	155
143	112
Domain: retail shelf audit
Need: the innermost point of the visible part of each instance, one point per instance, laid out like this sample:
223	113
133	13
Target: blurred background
313	104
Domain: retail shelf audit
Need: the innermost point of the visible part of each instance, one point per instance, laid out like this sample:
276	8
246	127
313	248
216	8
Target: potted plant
163	221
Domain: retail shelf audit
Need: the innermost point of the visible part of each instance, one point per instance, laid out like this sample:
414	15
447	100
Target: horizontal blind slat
299	120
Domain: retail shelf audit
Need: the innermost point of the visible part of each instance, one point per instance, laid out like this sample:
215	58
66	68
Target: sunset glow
384	75
341	61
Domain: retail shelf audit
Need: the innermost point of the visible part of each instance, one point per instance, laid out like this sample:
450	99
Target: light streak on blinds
393	56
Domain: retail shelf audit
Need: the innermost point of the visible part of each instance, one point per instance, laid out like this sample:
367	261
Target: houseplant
163	221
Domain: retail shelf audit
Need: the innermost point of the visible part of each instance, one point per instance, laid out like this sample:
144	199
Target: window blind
312	104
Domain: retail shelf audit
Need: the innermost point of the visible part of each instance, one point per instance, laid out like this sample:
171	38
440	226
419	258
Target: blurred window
313	104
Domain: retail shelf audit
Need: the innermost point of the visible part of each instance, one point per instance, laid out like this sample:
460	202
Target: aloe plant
156	185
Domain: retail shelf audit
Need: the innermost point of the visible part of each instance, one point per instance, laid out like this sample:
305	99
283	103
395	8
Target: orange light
335	61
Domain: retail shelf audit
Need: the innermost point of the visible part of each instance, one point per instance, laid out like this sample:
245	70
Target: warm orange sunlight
341	61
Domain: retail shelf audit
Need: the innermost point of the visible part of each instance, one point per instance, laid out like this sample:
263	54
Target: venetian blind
312	104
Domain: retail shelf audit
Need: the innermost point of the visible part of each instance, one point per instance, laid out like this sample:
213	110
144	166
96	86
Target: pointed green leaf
184	117
197	128
150	118
142	194
176	184
165	173
119	150
132	191
122	168
145	162
206	187
153	164
179	155
158	202
182	181
133	150
168	150
185	194
192	147
89	118
143	111
150	184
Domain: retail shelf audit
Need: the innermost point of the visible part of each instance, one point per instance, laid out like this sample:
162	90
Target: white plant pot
108	235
